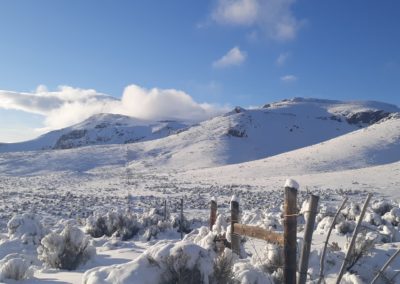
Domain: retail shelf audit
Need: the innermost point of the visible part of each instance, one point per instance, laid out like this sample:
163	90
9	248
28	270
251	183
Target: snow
234	198
155	264
246	153
291	183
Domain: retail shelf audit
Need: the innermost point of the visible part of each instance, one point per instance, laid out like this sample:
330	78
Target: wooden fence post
235	238
353	239
181	223
322	261
290	232
213	212
308	232
165	210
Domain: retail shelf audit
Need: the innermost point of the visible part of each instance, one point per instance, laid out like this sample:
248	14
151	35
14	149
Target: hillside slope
237	137
99	129
374	146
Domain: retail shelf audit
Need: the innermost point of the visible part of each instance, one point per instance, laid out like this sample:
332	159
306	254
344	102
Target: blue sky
220	52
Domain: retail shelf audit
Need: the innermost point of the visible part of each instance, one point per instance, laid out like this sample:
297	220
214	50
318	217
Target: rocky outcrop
367	117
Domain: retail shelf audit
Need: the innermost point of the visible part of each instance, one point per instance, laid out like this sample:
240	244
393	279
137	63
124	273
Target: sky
62	61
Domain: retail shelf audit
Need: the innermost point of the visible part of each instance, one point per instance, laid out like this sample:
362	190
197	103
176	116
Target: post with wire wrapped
290	232
235	238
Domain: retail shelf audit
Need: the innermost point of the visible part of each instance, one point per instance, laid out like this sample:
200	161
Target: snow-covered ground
333	149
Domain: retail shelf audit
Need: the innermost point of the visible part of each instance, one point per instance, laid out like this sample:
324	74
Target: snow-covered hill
236	137
376	147
246	135
98	130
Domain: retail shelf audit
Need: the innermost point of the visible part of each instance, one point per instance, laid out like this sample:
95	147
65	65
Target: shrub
381	207
66	250
373	218
123	225
186	224
352	211
363	245
16	268
393	216
223	268
178	272
26	227
345	227
271	261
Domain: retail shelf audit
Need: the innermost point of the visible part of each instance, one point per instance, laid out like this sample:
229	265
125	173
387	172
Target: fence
288	239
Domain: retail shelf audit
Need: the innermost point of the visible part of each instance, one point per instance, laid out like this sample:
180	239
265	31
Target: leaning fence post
290	232
213	212
235	238
380	272
181	223
322	261
305	252
353	239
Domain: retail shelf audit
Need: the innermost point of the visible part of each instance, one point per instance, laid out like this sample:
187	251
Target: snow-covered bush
223	267
245	273
16	267
126	225
345	227
389	234
270	261
351	279
363	245
186	224
352	211
123	225
373	218
381	207
393	216
270	220
26	227
325	211
66	250
179	269
324	224
165	262
220	225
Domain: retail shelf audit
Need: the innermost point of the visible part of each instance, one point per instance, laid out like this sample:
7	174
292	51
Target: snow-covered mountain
245	135
98	130
236	137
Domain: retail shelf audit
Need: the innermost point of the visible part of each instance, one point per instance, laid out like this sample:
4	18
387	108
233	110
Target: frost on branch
66	250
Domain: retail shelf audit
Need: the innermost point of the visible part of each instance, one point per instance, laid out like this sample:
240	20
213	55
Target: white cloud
68	105
234	57
282	58
289	78
240	12
274	17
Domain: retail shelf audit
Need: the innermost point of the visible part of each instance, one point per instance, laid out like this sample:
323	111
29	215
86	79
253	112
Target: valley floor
70	195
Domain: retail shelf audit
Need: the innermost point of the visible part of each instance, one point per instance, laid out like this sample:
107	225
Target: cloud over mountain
68	105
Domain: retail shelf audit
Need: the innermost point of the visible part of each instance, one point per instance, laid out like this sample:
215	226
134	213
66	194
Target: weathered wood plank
258	233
